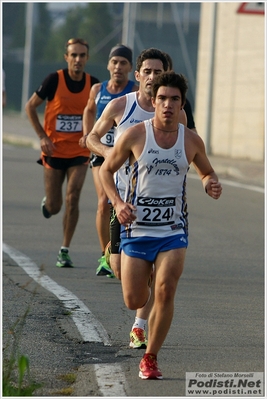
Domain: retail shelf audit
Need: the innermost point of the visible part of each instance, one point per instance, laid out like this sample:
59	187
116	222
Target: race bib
69	123
108	139
155	211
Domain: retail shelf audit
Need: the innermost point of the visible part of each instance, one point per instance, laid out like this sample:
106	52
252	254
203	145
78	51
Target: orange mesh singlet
63	119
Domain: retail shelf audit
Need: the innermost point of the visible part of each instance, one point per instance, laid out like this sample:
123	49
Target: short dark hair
170	79
151	53
169	60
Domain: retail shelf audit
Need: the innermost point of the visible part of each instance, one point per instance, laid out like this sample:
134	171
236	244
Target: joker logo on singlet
155	211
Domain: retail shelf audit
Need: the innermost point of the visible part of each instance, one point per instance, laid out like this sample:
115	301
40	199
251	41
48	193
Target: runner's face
167	104
119	68
76	58
150	68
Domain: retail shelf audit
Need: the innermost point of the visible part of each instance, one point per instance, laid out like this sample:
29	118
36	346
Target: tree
94	22
14	23
90	21
14	27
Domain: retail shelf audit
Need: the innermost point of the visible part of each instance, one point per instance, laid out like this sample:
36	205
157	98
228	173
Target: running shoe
103	268
148	368
63	259
112	275
45	212
138	338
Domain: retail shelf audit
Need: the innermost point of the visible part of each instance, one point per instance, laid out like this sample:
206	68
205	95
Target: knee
131	303
103	205
165	293
72	200
134	302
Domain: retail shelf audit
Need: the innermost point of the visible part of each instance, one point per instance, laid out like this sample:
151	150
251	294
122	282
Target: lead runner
154	213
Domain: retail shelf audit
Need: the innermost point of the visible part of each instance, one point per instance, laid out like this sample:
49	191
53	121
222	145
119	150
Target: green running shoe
103	268
63	259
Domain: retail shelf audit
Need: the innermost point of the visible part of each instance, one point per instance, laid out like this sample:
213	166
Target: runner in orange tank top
66	94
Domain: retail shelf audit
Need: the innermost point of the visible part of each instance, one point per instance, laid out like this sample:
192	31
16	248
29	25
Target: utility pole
128	27
28	49
211	80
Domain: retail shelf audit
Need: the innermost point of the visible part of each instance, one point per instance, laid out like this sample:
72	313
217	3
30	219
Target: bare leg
76	176
115	264
53	181
135	275
103	211
169	267
142	313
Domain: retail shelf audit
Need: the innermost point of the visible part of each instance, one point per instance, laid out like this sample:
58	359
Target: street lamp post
27	65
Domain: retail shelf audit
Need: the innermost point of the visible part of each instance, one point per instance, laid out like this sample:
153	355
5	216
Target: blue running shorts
148	247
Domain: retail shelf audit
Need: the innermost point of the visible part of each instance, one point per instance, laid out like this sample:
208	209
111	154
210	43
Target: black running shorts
62	163
96	160
115	232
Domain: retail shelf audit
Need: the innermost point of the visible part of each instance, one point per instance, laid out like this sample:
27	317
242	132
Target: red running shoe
149	368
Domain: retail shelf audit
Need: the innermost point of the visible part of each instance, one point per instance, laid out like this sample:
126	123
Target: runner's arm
204	169
89	114
107	120
119	154
31	110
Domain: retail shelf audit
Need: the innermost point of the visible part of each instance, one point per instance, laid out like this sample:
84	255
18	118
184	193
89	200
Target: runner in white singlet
154	214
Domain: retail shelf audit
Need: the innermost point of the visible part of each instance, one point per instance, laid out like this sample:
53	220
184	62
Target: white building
230	88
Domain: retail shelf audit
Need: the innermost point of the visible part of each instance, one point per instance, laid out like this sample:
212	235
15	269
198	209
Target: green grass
16	366
11	387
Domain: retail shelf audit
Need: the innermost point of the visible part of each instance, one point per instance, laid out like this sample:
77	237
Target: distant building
230	89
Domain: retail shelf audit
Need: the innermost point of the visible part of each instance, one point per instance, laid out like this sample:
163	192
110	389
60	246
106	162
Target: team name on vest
135	121
69	117
158	162
172	162
148	201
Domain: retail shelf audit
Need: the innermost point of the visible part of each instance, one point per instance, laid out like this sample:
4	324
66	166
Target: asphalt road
218	323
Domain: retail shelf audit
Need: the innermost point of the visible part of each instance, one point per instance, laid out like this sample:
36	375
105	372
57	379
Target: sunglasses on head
77	40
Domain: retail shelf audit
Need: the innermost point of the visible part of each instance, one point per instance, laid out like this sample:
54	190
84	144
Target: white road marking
234	184
110	377
89	327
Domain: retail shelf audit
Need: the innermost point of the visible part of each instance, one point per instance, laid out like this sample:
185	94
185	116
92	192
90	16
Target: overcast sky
54	6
